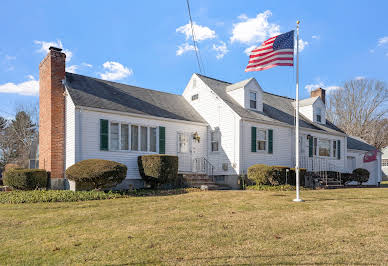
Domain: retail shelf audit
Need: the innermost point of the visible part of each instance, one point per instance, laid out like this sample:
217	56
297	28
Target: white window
319	115
134	137
143	138
114	136
153	139
124	137
324	147
252	100
183	143
261	137
334	148
315	146
214	140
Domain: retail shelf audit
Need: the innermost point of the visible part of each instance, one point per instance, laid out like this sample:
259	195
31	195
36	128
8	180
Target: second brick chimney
52	116
319	92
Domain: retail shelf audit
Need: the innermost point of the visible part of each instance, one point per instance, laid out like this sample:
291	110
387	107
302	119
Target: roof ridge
279	95
214	79
104	80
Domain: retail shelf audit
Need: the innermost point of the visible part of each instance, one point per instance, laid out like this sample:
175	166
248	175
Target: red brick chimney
52	116
319	92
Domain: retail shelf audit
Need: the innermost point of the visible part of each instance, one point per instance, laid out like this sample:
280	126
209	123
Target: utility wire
197	53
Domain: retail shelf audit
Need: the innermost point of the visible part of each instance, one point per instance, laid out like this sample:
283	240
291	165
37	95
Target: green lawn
348	226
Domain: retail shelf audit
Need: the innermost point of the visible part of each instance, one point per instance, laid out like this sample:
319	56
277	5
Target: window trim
318	114
194	97
139	125
265	141
250	100
186	134
218	140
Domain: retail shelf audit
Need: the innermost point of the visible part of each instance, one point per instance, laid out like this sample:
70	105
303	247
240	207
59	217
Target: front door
184	152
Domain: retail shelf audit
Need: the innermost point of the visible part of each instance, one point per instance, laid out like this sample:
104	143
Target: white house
214	127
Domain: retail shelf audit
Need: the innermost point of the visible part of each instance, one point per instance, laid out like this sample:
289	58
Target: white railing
202	165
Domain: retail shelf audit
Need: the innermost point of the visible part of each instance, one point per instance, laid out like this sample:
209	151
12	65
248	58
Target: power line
197	53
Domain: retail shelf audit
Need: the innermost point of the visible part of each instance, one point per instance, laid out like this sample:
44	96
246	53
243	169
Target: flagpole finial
297	22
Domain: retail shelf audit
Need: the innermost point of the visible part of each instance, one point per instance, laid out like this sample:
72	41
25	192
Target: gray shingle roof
355	143
91	92
275	108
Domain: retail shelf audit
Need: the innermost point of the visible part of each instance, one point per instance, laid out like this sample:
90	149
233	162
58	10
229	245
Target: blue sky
146	43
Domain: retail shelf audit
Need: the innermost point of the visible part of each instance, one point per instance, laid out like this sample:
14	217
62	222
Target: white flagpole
297	199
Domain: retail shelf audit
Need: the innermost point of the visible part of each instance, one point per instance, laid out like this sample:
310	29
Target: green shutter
104	134
311	143
339	149
253	139
162	140
270	141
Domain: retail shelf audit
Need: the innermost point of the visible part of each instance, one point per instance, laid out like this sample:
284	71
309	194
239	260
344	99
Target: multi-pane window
252	100
214	140
153	139
143	138
124	137
261	138
183	143
334	148
324	147
384	162
194	97
319	115
315	146
134	137
114	136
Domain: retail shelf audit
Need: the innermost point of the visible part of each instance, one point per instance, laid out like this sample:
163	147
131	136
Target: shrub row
359	175
158	170
25	179
261	174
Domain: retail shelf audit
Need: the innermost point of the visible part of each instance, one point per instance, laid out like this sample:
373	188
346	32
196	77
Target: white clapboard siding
218	115
373	167
69	132
281	146
88	131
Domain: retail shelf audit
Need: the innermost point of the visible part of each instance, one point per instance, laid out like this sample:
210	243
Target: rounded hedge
97	173
259	174
158	169
360	175
25	179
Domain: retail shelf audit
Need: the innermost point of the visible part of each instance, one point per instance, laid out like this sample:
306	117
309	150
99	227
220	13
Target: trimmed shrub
259	173
360	175
158	169
25	179
96	173
292	176
278	175
346	178
10	166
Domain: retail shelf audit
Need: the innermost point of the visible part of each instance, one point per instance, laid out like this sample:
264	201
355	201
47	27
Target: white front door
184	152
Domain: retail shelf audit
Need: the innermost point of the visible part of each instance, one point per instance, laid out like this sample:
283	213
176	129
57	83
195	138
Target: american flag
276	51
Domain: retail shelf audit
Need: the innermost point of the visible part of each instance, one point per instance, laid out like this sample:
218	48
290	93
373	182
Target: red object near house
370	156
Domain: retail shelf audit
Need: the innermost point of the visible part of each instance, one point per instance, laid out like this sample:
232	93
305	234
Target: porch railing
202	165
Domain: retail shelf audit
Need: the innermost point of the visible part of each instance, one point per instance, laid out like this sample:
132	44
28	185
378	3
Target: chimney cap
52	48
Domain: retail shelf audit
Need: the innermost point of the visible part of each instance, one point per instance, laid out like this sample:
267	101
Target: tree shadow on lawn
156	192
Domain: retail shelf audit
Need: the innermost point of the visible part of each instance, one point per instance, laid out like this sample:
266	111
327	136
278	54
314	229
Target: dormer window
252	100
319	115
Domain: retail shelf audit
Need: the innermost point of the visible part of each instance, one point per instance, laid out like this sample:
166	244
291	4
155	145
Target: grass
344	226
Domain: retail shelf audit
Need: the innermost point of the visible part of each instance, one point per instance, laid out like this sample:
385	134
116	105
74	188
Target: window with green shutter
253	139
162	140
339	149
270	141
311	139
104	135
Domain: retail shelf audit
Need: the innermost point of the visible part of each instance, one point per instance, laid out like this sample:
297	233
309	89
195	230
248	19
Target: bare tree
360	109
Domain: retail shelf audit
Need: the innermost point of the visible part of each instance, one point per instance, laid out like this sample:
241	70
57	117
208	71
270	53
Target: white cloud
201	32
115	71
311	87
383	40
87	65
372	51
184	48
221	49
72	69
29	87
316	37
359	78
254	30
248	50
9	57
302	45
44	48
